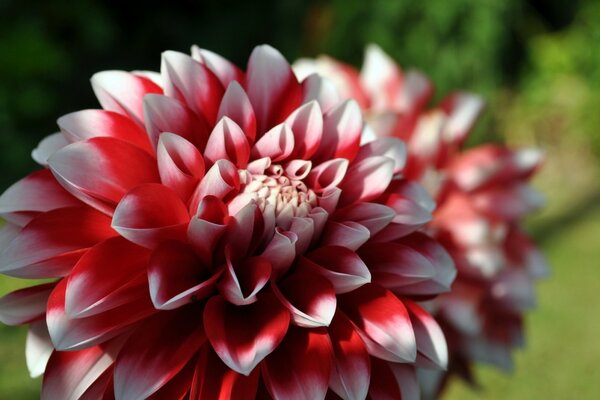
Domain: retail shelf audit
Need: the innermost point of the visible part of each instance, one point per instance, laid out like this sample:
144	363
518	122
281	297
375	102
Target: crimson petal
236	105
25	305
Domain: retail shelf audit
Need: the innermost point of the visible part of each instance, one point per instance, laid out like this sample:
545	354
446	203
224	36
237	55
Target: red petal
179	386
25	305
224	69
70	373
281	251
463	111
52	242
123	92
342	127
227	141
272	87
351	371
192	83
366	179
221	181
236	105
47	147
307	125
164	114
180	164
244	336
309	297
372	216
317	88
87	124
156	352
244	279
310	352
93	288
150	214
340	265
393	381
206	229
327	175
347	234
176	276
277	144
214	380
382	321
38	192
101	170
431	342
74	334
389	147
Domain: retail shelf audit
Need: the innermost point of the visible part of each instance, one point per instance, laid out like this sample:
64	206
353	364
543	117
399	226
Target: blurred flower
218	234
482	195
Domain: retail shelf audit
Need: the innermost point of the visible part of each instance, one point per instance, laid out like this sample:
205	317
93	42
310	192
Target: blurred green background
536	62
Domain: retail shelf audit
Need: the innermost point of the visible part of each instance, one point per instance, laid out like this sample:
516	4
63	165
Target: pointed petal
372	216
382	321
342	127
236	105
393	381
205	230
225	70
310	350
227	141
38	348
222	180
165	114
307	125
87	124
366	179
281	251
351	372
432	350
47	147
317	88
340	265
150	214
180	164
123	92
386	146
101	170
244	279
277	143
244	336
463	110
327	175
93	288
25	305
177	277
156	352
38	192
192	83
52	242
347	234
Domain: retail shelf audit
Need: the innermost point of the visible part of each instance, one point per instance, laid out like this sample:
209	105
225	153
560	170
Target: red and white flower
482	195
219	234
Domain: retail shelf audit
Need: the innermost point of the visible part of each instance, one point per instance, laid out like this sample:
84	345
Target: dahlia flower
482	194
219	234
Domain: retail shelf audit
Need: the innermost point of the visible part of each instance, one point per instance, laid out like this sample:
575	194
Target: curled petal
307	125
236	105
38	192
93	288
180	164
156	352
351	372
272	87
327	175
221	181
52	242
277	144
101	170
319	89
165	114
382	321
176	276
25	305
340	265
243	280
225	70
245	231
342	127
87	124
123	92
227	141
298	169
191	83
244	336
205	230
366	179
310	350
347	234
281	251
309	297
304	229
47	147
150	214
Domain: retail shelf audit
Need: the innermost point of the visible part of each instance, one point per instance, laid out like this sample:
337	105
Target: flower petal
432	351
101	170
205	230
52	242
272	87
310	350
25	305
244	336
277	144
227	141
156	352
192	83
366	179
389	147
47	147
382	321
342	128
347	234
243	279
281	251
236	105
222	181
93	288
372	216
327	175
38	348
123	92
317	88
86	124
225	70
150	214
307	125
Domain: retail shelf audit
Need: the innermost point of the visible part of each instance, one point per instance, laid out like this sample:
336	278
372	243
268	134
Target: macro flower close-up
215	233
